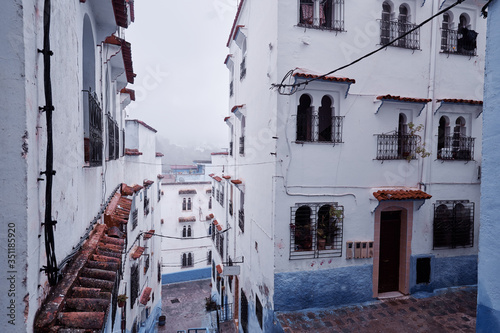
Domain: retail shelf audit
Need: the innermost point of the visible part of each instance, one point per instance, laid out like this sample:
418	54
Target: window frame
454	235
319	17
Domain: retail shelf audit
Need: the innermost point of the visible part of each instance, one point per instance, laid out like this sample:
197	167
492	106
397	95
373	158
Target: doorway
389	260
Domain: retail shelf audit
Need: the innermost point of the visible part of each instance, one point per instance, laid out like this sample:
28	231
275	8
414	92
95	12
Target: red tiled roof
227	58
211	175
219	227
118	209
461	101
158	154
191	191
131	92
234	108
147	182
137	188
217	178
149	234
227	118
126	54
220	153
160	176
143	124
238	27
121	16
132	10
234	23
145	295
138	252
211	216
404	99
219	269
236	181
383	195
325	78
82	297
132	152
226	177
187	219
215	222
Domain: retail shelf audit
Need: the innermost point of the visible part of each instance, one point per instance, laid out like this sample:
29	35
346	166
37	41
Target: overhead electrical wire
294	87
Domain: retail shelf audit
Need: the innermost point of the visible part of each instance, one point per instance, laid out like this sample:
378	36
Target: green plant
327	224
420	146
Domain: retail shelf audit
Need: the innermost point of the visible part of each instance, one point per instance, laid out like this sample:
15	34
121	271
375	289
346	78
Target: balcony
396	146
456	148
93	144
241	219
390	30
313	128
242	145
113	139
455	42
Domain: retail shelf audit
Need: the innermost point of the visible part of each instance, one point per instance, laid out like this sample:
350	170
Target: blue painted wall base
322	288
184	276
488	320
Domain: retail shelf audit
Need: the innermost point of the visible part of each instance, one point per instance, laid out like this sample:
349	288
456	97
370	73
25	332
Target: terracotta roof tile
132	152
190	191
145	295
138	252
219	269
187	219
227	118
121	16
137	188
149	234
461	101
131	92
126	54
215	222
147	182
236	107
158	154
404	99
143	124
236	181
226	177
232	33
217	178
211	216
325	78
219	227
383	195
160	176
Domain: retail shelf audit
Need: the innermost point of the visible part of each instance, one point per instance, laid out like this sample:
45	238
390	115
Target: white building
64	81
187	222
334	199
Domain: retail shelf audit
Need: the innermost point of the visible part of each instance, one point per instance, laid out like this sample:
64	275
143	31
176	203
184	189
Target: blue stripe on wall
184	276
323	288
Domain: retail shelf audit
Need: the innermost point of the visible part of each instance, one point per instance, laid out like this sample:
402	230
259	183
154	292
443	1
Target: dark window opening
258	310
453	224
304	119
303	232
244	312
423	270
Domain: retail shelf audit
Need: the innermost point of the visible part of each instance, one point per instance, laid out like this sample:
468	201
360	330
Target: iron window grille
453	224
135	218
184	204
146	203
146	264
231	207
225	312
242	145
221	245
310	128
243	68
396	146
214	228
209	257
331	15
113	139
134	284
187	259
231	84
457	147
241	220
461	41
123	142
231	148
94	144
390	30
316	230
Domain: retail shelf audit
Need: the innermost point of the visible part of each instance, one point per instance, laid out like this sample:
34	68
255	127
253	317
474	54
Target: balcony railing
241	219
243	68
456	147
225	312
311	128
231	148
113	139
146	206
455	42
390	30
242	145
93	144
231	207
135	218
396	147
231	89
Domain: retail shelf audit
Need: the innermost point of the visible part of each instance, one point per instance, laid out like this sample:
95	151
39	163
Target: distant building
82	199
328	196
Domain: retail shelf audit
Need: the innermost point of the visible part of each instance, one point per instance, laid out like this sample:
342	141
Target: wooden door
390	239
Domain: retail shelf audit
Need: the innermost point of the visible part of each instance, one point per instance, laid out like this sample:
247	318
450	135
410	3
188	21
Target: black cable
295	85
484	12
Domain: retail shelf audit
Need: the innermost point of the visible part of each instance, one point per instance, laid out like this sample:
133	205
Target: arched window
303	236
184	260
466	37
462	226
189	234
403	26
325	119
189	204
190	259
184	204
385	33
442	226
459	140
184	233
304	119
443	133
445	33
327	226
404	142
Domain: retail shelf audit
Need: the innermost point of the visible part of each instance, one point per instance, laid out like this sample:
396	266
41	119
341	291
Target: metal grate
226	312
316	230
462	42
331	15
453	224
113	139
243	68
242	145
241	220
396	146
134	285
135	219
175	300
312	128
94	144
390	30
456	147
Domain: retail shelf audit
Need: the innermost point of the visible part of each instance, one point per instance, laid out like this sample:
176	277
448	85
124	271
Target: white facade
295	165
89	63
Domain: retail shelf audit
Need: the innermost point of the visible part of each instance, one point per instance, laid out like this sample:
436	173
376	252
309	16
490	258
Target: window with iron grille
243	68
461	41
392	29
220	245
134	284
231	88
396	146
210	203
242	145
159	272
231	148
241	220
457	146
146	264
93	141
453	224
316	230
258	310
113	139
244	311
135	218
209	257
322	126
330	14
146	202
187	259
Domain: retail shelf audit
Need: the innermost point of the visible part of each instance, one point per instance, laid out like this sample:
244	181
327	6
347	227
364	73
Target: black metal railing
390	30
113	139
456	147
231	207
231	148
243	68
396	147
146	264
242	145
311	128
462	42
225	312
135	218
241	219
453	224
231	91
134	284
93	144
331	15
146	206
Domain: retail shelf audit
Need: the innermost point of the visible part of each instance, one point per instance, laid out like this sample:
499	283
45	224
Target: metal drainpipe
51	269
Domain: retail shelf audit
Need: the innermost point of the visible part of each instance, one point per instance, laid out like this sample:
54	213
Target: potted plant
210	304
328	228
121	299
